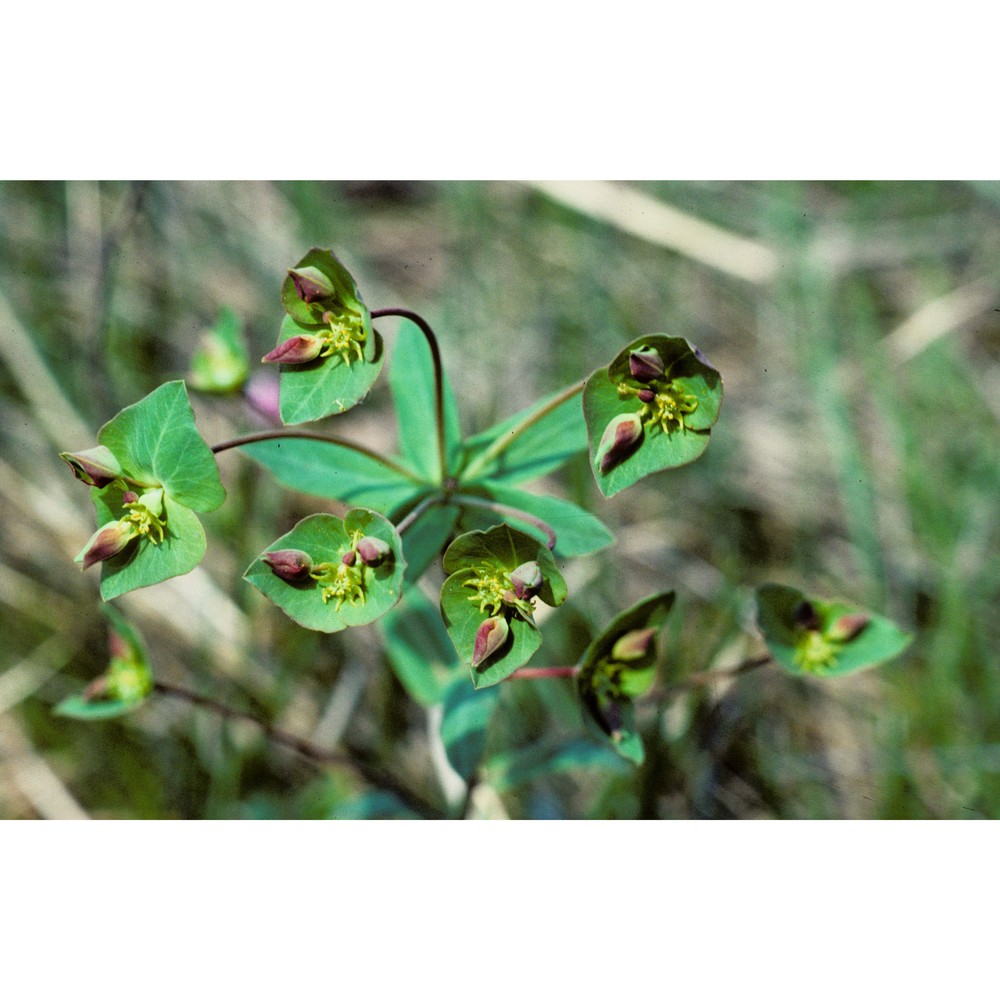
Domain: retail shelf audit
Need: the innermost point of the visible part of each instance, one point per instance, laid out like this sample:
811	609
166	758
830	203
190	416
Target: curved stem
369	771
425	329
428	501
515	512
538	673
286	432
503	443
706	677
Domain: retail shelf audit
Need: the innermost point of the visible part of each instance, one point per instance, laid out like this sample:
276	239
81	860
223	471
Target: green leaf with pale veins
411	379
541	448
157	443
326	469
326	539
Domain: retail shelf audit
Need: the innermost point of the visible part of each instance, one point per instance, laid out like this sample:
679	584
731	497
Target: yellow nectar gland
813	652
668	407
342	583
147	524
346	336
490	587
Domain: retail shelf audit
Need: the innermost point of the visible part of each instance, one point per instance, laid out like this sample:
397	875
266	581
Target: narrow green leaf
426	538
419	650
157	444
342	596
543	447
467	714
802	633
336	473
330	384
578	532
411	379
78	707
511	769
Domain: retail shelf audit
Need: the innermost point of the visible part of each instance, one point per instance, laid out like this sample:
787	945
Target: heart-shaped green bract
353	352
619	665
123	687
355	594
812	637
675	422
479	564
158	445
162	456
344	295
327	385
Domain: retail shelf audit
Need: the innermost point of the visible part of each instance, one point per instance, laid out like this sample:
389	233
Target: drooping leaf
419	650
818	638
541	448
338	595
330	384
411	379
676	412
479	589
325	469
157	443
467	714
618	665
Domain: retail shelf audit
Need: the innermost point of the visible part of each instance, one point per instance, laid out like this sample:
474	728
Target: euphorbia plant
444	496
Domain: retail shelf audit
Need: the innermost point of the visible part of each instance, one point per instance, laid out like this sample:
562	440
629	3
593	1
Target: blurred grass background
857	327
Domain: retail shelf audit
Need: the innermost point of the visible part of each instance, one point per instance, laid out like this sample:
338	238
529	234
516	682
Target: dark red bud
848	627
106	542
620	439
489	638
349	558
296	350
646	395
372	550
311	284
292	565
805	616
130	496
95	466
633	645
527	580
645	365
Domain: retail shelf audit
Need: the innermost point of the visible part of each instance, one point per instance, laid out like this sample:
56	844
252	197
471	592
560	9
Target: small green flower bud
292	565
489	638
311	284
527	580
95	466
296	350
106	542
633	645
848	627
645	365
372	550
620	439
